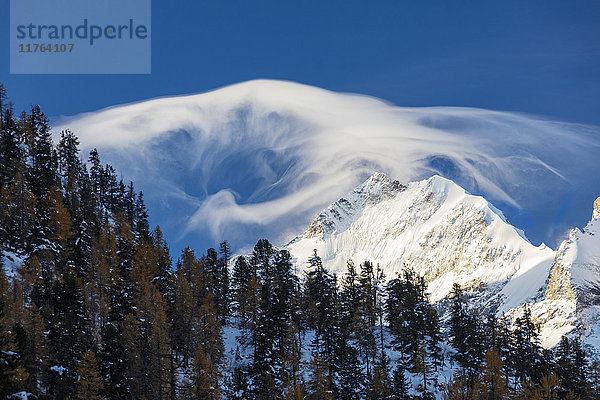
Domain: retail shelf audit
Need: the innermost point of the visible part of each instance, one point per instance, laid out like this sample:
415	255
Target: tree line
92	306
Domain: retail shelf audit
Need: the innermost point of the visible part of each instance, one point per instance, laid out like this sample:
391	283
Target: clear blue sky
539	57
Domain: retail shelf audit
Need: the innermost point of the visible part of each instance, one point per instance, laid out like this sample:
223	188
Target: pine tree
320	386
366	316
350	296
11	372
114	304
571	366
493	384
68	333
89	384
465	332
548	388
249	319
526	355
413	322
238	385
3	100
380	388
39	350
59	232
400	384
182	315
142	228
131	341
242	272
350	372
422	368
220	283
323	312
43	171
223	276
459	388
17	215
163	278
150	311
206	376
594	380
209	353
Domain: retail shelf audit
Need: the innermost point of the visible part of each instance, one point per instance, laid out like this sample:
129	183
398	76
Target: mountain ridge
448	235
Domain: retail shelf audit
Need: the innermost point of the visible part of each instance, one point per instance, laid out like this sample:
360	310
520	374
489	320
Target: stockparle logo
80	37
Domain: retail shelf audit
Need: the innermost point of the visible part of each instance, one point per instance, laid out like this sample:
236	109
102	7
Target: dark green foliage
413	322
466	334
571	366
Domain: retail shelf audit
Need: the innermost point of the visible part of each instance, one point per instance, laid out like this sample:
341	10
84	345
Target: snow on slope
571	301
435	227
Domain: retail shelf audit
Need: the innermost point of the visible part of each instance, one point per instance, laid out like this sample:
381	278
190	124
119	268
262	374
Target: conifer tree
413	322
526	356
209	352
459	388
465	332
133	374
350	372
238	384
182	316
400	384
322	307
571	366
366	316
242	272
320	386
2	102
11	372
594	380
89	384
142	228
17	215
220	282
493	384
68	333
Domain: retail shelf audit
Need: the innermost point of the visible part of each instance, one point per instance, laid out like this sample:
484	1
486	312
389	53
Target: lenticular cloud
261	158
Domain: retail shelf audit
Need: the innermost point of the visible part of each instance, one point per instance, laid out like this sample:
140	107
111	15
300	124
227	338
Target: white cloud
271	154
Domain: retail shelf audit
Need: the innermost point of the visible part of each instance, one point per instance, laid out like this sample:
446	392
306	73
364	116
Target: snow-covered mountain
448	235
571	299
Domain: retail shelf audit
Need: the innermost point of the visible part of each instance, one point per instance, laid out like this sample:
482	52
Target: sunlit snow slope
435	227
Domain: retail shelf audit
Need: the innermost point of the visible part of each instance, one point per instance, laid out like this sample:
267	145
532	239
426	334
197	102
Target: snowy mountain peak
342	213
596	212
435	227
571	303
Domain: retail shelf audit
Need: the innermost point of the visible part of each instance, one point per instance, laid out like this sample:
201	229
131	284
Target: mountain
448	235
261	158
571	299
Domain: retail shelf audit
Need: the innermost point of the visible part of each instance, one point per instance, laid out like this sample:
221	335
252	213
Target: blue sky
538	57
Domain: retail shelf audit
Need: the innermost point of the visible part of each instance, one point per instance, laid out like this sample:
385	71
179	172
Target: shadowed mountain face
260	159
